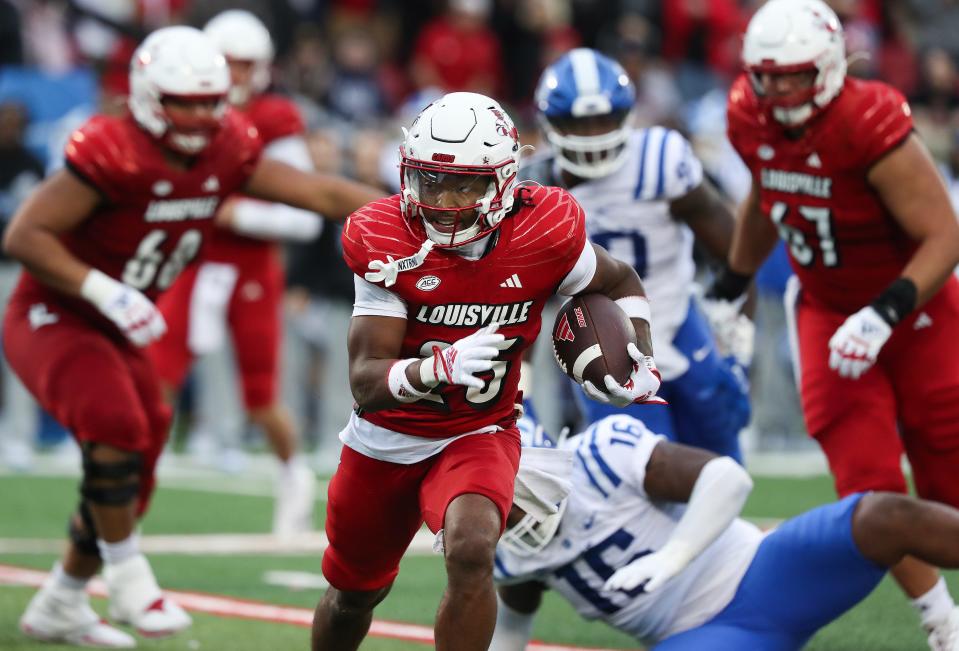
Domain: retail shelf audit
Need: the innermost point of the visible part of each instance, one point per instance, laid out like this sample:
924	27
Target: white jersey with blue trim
627	213
609	521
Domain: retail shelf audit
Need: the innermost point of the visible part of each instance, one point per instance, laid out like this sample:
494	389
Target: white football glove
133	313
458	363
733	331
856	344
652	569
641	387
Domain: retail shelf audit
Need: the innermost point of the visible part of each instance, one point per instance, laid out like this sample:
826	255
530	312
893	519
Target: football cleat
944	636
136	599
57	614
295	495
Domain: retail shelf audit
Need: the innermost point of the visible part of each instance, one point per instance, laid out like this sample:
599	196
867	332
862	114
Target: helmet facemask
529	536
589	147
188	132
451	203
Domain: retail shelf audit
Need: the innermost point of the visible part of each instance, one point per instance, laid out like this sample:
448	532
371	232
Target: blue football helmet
585	102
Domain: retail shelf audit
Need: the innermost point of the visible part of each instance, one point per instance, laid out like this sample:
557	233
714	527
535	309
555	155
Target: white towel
543	480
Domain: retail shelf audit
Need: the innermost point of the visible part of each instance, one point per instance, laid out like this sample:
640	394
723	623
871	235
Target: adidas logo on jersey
212	184
922	321
813	160
40	316
512	281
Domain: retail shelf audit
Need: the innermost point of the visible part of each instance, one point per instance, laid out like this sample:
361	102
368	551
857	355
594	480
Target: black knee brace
112	483
83	532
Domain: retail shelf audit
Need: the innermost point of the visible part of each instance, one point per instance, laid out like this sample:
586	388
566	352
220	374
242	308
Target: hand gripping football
590	337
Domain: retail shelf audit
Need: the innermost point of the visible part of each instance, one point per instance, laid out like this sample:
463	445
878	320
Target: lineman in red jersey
872	238
100	240
239	285
451	277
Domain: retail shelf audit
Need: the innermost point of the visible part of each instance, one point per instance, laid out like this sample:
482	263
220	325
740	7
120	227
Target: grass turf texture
37	507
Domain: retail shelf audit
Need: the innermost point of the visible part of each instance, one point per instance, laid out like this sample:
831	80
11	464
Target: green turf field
36	507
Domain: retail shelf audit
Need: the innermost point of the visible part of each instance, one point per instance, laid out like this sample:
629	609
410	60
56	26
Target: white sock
934	606
120	551
290	465
67	581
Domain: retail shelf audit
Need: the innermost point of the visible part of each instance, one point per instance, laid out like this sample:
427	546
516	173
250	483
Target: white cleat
57	614
944	636
295	495
136	599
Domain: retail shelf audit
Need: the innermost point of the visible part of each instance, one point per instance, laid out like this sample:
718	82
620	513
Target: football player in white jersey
649	541
645	197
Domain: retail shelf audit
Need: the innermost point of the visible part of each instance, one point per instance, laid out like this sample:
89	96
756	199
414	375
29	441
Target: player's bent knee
881	524
111	477
348	604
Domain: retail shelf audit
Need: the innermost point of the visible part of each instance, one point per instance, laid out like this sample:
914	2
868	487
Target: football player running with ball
840	176
649	542
100	240
451	277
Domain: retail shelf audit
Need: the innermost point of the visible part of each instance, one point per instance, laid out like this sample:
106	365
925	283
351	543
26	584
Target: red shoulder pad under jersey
375	231
275	117
551	224
878	119
743	115
101	153
237	147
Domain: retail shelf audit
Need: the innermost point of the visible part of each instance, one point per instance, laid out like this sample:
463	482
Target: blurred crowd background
359	70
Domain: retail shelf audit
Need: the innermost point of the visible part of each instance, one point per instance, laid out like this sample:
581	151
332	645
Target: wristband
635	307
728	285
896	301
98	288
400	386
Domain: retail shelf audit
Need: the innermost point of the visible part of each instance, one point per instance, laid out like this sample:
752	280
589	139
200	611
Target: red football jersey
844	245
449	297
274	117
154	218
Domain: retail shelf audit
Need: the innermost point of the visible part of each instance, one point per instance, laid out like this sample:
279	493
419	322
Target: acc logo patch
427	283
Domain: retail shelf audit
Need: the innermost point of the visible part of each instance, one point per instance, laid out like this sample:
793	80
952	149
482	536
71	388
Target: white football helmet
529	536
178	62
241	36
793	36
464	134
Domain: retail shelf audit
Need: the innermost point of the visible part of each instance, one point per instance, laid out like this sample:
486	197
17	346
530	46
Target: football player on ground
645	197
239	285
451	277
840	176
100	240
649	541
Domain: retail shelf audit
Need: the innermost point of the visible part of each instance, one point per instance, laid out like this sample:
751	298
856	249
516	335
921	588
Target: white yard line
259	611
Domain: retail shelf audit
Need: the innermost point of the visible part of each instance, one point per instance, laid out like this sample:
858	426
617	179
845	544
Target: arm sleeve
581	274
277	220
373	300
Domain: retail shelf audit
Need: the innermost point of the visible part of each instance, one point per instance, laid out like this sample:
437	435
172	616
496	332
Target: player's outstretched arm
334	197
912	190
57	206
715	490
516	607
709	216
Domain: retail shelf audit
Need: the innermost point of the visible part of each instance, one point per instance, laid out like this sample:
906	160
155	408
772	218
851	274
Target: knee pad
83	532
111	483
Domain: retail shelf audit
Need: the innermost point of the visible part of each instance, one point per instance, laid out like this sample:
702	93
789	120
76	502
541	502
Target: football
590	337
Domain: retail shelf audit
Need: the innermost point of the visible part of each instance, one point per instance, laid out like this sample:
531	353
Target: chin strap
387	271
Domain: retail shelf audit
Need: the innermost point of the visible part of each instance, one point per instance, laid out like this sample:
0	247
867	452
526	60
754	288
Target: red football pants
96	384
375	507
909	401
254	319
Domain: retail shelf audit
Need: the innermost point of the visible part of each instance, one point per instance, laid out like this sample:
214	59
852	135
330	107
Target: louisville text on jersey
467	315
178	210
797	183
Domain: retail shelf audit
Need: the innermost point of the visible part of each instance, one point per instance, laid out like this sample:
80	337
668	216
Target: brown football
589	339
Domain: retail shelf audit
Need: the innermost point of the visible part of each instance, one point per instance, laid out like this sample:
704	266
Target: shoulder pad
100	152
275	117
878	119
